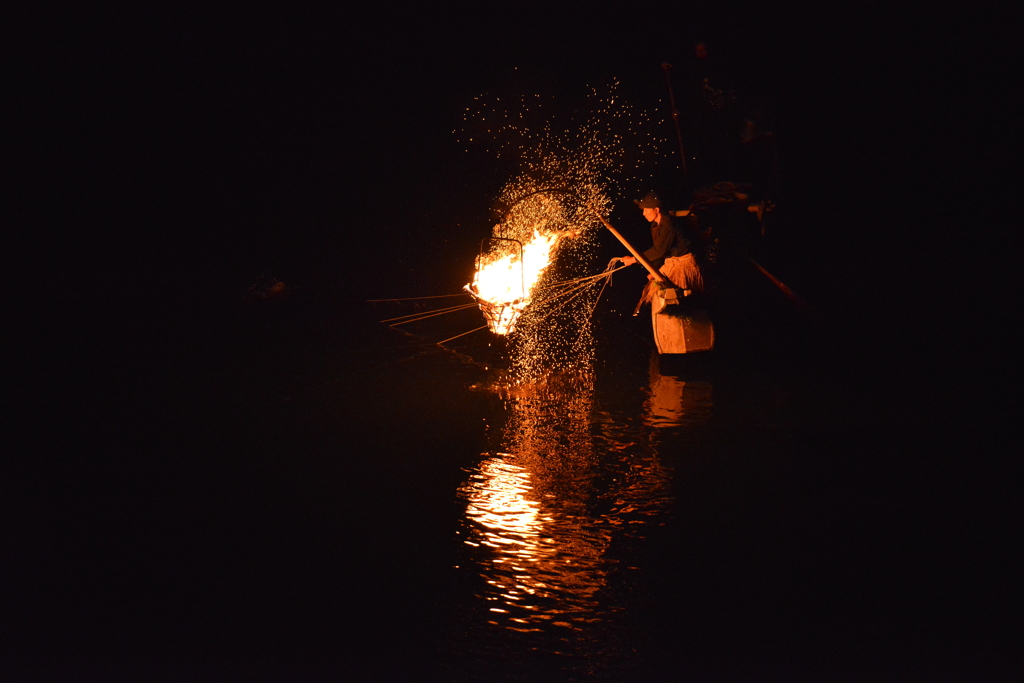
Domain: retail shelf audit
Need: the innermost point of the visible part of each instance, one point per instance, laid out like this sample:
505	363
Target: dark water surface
205	479
297	492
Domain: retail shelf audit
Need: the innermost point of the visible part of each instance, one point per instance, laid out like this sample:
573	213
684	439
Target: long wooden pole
675	114
636	254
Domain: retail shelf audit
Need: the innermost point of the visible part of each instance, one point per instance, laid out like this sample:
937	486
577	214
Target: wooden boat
687	331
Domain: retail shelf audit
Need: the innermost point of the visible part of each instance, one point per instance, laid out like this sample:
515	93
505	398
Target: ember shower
572	163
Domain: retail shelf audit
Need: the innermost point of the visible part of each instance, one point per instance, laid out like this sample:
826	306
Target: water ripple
570	481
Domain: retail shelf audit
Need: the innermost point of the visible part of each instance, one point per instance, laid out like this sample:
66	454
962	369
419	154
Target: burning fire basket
500	311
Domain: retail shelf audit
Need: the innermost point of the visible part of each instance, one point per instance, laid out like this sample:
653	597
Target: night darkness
163	167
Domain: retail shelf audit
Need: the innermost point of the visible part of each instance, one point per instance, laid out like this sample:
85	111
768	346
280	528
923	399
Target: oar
675	113
790	294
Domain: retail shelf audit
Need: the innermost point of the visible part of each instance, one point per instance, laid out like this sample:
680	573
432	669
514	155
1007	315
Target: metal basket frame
505	313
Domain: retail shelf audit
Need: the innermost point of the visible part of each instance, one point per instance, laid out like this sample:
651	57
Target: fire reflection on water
570	481
527	511
674	402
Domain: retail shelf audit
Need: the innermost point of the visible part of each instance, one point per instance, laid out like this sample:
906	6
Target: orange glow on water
571	479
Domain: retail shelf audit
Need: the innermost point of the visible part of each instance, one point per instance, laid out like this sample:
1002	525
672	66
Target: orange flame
503	285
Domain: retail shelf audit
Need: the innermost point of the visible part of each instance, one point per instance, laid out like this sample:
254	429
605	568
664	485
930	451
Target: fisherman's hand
627	260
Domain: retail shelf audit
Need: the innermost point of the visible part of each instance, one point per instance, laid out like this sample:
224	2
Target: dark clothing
668	241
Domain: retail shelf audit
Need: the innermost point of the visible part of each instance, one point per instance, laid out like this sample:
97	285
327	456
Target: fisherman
667	238
670	253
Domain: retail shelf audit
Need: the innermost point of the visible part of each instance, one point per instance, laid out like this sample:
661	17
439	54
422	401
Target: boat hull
688	332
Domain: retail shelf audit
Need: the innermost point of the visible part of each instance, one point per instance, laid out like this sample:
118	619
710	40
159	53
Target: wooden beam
636	254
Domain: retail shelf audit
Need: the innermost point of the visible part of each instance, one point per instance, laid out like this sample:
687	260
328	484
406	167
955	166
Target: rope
428	315
416	298
607	279
573	287
568	301
575	292
460	335
566	292
607	275
563	283
586	277
579	291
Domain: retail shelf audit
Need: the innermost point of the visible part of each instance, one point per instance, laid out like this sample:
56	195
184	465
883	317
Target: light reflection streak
542	513
674	402
542	554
